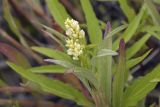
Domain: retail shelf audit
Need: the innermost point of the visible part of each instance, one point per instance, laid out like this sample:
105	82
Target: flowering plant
100	63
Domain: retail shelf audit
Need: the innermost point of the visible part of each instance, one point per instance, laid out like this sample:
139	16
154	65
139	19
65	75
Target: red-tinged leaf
14	55
119	78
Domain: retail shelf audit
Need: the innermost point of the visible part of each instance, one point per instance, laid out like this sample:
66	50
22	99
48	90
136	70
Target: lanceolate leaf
152	11
153	30
128	10
52	86
48	69
105	52
11	22
14	55
93	28
58	11
132	62
140	88
131	51
105	67
119	78
55	54
65	64
131	30
56	33
117	30
88	77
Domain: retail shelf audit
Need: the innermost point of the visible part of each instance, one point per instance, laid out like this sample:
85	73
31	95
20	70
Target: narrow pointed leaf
93	27
132	62
48	69
119	78
58	11
52	86
105	52
65	64
11	22
105	67
131	30
128	10
152	11
55	54
14	55
141	87
131	51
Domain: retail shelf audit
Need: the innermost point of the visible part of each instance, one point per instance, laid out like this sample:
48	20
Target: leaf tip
122	44
108	28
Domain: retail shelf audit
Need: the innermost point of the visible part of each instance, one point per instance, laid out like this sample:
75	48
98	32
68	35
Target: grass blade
52	86
58	11
128	10
119	78
55	54
105	67
93	27
11	22
132	62
141	87
131	30
105	52
153	12
61	63
48	69
131	51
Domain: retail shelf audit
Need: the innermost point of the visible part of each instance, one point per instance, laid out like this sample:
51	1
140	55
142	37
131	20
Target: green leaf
153	30
48	69
131	30
105	52
52	86
152	11
62	63
104	67
132	62
131	51
55	54
118	29
55	39
87	77
119	78
93	27
56	33
128	10
58	11
91	46
11	22
141	87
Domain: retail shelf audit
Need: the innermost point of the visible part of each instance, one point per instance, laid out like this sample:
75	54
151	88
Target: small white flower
69	32
69	52
75	24
78	46
81	34
75	58
75	35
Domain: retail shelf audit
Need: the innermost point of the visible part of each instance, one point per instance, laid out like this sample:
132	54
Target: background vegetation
33	30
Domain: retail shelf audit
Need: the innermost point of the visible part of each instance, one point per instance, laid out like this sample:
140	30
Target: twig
25	50
26	102
14	89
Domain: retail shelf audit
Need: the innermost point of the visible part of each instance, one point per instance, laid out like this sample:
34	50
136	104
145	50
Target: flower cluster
74	40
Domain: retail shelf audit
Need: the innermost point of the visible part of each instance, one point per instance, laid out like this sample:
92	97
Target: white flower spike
74	42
